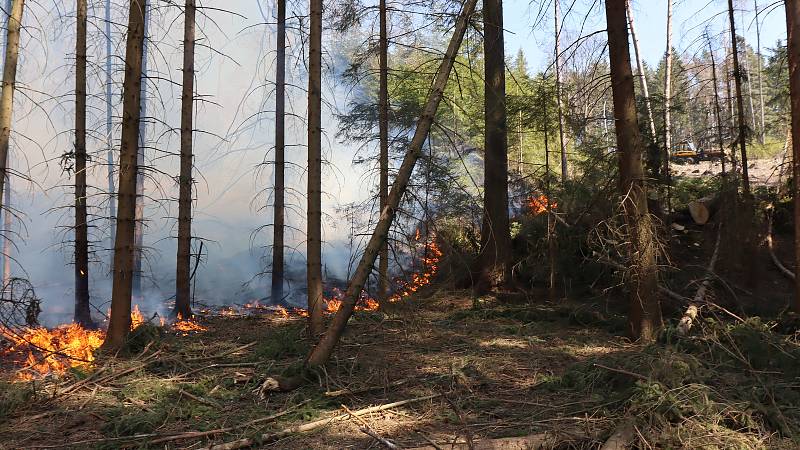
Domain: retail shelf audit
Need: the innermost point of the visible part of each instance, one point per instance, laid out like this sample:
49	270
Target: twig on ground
622	371
310	426
223	354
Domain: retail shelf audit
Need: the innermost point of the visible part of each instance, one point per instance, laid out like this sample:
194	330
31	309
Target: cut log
702	210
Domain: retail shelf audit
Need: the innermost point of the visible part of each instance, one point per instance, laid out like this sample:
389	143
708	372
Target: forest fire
430	267
187	325
45	351
539	204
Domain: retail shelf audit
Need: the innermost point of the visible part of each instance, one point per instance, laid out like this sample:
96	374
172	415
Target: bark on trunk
737	78
793	50
314	210
763	129
383	130
112	203
645	311
495	266
642	76
731	115
668	103
7	192
9	85
557	61
139	226
717	108
182	276
83	315
120	320
322	351
279	211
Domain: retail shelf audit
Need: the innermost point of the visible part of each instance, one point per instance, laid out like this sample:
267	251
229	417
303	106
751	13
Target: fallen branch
341	392
538	441
311	426
690	315
366	429
789	274
223	354
622	371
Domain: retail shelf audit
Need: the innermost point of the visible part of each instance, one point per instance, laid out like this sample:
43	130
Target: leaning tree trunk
495	257
9	84
737	78
7	192
182	277
642	75
668	103
120	321
645	311
793	51
383	131
83	315
323	350
559	93
279	207
139	227
314	210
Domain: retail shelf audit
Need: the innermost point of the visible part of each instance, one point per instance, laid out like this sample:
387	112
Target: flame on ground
187	325
44	351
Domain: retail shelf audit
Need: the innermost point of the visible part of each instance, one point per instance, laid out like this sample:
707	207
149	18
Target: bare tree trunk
112	208
9	85
747	76
83	315
322	351
717	109
314	210
124	246
139	227
557	61
763	129
642	75
668	103
383	130
793	51
7	192
495	264
731	113
552	243
645	311
737	78
279	208
183	297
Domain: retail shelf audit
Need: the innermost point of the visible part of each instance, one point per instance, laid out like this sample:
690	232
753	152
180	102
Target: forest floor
494	371
476	371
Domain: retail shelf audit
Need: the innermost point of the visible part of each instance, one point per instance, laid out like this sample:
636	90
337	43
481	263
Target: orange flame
539	204
187	325
46	351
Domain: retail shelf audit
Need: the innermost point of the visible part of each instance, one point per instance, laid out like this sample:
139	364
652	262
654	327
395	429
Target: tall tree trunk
731	113
717	108
668	103
383	130
139	227
7	215
793	51
9	85
559	93
642	74
645	311
737	78
314	210
112	204
83	315
279	211
322	351
182	277
762	130
747	76
124	246
495	264
552	249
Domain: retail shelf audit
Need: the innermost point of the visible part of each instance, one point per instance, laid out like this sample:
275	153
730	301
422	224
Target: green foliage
13	396
284	342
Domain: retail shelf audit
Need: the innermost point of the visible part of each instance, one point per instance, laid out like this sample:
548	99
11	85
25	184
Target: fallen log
690	315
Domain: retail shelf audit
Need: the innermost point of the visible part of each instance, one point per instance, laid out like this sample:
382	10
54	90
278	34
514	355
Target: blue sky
690	19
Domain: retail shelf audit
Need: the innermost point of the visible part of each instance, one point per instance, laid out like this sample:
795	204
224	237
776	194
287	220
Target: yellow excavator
684	152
